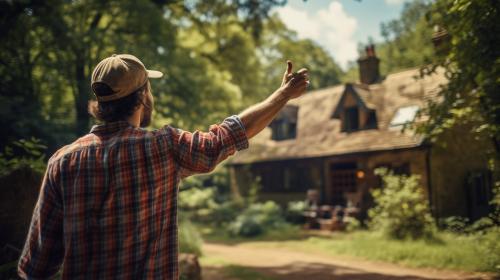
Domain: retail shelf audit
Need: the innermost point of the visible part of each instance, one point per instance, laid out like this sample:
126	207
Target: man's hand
294	85
260	115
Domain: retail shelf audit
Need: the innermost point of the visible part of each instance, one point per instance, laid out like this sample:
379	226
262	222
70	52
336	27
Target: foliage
295	212
256	219
407	39
210	51
401	210
190	240
488	244
352	224
280	43
208	204
470	58
23	153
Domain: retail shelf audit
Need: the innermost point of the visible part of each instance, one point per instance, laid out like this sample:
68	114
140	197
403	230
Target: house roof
318	134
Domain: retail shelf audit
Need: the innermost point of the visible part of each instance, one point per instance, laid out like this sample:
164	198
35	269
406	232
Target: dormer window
284	126
353	111
283	130
351	119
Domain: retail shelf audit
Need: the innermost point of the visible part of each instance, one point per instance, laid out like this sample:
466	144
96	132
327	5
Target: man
108	203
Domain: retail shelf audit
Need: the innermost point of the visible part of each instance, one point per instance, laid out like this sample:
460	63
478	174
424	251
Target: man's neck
135	119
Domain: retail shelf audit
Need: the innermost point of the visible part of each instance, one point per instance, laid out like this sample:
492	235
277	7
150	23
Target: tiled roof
320	135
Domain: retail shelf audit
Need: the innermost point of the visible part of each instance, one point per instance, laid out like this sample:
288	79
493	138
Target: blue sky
338	25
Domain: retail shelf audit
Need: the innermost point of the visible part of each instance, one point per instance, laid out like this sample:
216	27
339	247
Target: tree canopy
217	56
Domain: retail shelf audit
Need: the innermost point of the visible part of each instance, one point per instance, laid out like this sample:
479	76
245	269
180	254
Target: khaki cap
123	73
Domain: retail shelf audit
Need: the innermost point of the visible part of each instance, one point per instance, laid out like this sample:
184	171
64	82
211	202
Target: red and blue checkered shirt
108	202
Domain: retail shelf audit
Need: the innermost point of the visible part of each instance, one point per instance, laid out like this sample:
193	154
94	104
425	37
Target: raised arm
200	152
258	116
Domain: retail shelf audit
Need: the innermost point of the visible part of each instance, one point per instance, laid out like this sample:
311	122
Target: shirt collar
110	127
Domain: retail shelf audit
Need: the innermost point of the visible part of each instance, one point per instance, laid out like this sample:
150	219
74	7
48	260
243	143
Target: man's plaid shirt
108	202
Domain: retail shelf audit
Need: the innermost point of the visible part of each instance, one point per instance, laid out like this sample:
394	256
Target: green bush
23	153
256	219
295	212
224	213
352	224
401	210
488	244
190	240
454	224
201	206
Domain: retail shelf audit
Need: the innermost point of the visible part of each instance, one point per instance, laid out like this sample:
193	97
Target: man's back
108	204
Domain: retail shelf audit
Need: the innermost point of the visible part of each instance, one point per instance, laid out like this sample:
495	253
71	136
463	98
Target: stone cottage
332	139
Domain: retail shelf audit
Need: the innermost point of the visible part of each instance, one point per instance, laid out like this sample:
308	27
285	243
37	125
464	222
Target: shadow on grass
304	270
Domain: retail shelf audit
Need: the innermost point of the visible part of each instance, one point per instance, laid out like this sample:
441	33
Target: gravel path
282	263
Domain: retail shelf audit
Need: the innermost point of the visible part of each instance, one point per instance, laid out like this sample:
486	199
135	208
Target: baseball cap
123	73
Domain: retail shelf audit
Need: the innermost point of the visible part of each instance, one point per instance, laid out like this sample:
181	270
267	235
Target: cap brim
154	74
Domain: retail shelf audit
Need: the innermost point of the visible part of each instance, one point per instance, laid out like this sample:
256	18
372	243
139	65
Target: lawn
448	251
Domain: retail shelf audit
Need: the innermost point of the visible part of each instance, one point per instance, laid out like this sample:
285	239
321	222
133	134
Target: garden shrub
454	224
401	210
256	219
190	240
224	213
295	212
352	224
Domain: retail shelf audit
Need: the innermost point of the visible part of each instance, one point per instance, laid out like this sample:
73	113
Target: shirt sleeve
200	152
43	250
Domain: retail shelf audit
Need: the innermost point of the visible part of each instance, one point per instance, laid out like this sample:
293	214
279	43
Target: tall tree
281	43
470	57
407	39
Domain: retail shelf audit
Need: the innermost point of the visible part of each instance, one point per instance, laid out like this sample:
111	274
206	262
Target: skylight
404	115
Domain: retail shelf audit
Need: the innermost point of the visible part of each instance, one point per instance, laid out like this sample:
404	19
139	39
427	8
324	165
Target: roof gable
348	94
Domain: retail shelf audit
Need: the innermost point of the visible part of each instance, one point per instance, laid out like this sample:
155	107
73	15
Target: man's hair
115	110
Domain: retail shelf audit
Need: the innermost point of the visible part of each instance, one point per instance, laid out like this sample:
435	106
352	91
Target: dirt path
281	263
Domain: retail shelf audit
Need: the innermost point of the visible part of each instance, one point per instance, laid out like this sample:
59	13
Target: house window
284	126
283	129
351	119
371	123
479	193
404	115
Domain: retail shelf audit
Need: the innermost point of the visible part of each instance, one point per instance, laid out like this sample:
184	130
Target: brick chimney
368	66
441	40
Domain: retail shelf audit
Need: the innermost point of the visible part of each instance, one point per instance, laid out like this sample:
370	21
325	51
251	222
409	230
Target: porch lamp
360	174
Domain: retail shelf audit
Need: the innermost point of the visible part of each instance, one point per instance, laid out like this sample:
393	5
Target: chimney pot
369	66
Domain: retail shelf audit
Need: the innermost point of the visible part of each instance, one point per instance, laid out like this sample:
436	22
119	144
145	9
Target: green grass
447	251
231	270
450	251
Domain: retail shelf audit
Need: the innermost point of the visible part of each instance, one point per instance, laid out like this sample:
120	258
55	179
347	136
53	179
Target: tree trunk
82	95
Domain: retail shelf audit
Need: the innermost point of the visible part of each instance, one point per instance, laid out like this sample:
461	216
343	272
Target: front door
343	180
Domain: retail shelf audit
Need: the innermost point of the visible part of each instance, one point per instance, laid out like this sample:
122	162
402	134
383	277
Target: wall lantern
360	174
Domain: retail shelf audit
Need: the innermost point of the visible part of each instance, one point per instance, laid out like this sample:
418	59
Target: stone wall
456	154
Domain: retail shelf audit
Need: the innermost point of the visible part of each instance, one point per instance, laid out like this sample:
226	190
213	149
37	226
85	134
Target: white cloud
394	2
332	28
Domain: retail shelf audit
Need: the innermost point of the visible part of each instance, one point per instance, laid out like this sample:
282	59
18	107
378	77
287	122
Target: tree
470	57
280	44
407	39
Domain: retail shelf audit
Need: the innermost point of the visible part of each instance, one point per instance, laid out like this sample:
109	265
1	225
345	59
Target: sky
338	25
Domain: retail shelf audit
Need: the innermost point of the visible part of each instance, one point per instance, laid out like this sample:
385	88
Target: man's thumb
289	67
